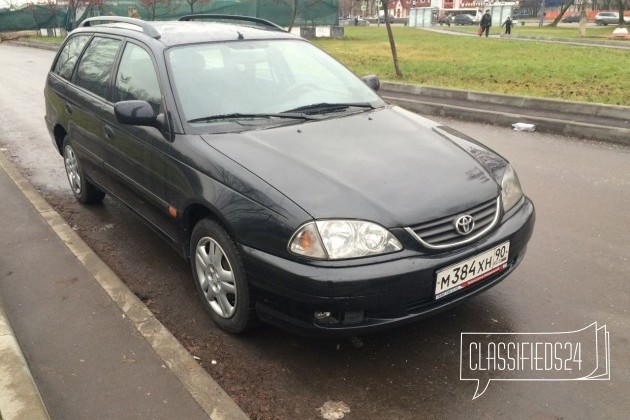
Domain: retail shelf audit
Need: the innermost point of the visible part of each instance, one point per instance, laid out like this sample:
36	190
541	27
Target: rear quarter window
69	55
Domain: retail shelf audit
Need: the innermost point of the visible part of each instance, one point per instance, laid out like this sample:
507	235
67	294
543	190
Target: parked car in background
572	18
609	18
298	196
463	19
445	20
354	21
390	18
520	14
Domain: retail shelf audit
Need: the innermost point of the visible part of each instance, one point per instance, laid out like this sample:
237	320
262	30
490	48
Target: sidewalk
92	348
498	33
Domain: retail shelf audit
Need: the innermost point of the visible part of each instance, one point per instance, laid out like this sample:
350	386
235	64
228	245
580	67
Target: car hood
389	166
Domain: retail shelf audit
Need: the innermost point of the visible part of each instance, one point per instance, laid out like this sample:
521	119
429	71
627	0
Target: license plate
472	270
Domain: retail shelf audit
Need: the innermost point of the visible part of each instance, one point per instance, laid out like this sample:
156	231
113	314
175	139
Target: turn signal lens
306	242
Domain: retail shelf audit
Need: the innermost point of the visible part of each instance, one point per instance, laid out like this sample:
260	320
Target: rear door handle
109	132
68	109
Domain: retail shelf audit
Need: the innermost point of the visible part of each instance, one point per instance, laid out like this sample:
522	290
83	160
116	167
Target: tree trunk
293	15
621	10
563	10
582	28
392	44
73	17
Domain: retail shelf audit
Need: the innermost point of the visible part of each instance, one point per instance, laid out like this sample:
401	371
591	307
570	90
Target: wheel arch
60	134
196	212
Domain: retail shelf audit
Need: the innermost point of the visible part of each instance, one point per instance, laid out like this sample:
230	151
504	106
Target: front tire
220	277
84	191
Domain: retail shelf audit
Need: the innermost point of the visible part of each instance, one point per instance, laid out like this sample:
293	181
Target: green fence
33	17
308	12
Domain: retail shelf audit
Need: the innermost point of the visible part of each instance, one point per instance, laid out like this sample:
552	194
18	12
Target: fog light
319	315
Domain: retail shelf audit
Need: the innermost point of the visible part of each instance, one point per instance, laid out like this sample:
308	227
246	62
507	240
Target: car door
85	105
137	159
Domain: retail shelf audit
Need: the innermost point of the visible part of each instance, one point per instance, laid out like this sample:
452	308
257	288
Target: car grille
441	233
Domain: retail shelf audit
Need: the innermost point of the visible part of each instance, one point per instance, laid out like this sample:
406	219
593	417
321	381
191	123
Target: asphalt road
576	272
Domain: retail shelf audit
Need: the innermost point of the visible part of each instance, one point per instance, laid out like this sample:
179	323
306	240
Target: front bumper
365	296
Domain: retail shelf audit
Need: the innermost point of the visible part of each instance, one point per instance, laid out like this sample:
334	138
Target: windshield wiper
324	107
237	115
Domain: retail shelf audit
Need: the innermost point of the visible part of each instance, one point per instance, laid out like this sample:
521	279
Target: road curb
545	104
40	45
510	114
201	386
19	396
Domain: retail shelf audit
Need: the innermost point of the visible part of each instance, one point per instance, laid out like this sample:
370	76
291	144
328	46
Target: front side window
95	68
136	78
69	55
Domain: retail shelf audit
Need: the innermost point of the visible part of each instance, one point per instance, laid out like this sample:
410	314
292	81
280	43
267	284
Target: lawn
519	67
47	39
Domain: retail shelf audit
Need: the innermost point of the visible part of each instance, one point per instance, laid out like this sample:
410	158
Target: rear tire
220	278
84	191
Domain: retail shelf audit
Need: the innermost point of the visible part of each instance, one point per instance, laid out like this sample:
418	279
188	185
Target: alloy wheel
72	170
216	277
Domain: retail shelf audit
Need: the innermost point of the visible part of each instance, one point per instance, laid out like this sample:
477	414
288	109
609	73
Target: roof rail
146	27
232	17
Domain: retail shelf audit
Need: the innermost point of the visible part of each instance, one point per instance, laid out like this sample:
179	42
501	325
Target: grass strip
497	65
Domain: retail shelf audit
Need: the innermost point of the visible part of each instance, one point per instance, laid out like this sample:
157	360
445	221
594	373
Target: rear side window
69	55
95	68
137	78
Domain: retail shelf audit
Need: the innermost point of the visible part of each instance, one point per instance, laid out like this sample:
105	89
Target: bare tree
53	7
44	14
33	9
392	44
582	27
73	9
192	3
621	5
296	7
151	5
95	7
11	4
563	9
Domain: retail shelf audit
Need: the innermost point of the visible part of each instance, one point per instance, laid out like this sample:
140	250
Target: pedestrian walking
508	25
486	23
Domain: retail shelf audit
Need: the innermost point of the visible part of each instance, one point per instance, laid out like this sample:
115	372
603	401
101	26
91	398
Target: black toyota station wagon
298	195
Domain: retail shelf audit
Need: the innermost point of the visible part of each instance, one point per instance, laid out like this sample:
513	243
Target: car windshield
258	79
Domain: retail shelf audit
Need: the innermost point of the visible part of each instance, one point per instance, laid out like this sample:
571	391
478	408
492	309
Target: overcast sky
6	3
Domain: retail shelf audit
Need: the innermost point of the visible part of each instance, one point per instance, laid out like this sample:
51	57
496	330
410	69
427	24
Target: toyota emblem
464	224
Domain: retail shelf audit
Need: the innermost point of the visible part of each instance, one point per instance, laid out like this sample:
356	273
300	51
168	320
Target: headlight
342	239
511	191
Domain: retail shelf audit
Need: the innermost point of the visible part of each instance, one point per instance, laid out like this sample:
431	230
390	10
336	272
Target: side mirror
372	81
135	113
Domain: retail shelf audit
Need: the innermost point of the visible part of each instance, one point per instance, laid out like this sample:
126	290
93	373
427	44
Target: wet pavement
576	272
